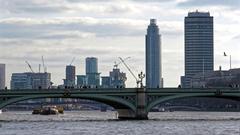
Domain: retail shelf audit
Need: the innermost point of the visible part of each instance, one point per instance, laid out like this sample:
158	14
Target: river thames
105	123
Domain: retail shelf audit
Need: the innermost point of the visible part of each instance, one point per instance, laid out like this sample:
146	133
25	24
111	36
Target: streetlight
230	59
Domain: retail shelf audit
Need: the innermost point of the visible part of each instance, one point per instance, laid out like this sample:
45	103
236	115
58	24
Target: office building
198	45
20	81
93	79
31	80
2	76
106	82
70	76
153	56
81	80
91	65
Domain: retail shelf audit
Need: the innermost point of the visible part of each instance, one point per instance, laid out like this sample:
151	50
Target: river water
105	123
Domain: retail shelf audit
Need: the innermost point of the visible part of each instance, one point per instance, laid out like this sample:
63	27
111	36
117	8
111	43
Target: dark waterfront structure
219	78
153	56
198	45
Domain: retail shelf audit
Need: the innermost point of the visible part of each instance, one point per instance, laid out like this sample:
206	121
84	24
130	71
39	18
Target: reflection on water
93	122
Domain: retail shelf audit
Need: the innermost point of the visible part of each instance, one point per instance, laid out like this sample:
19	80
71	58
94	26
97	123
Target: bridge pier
128	114
140	113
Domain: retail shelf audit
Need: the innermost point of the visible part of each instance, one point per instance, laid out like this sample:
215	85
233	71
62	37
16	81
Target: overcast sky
62	29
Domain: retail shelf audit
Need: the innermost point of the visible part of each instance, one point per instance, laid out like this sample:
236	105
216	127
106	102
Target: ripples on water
105	123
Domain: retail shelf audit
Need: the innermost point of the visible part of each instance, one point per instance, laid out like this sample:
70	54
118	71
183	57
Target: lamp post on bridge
230	61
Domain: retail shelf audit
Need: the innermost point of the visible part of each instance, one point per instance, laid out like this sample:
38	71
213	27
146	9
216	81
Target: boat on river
48	110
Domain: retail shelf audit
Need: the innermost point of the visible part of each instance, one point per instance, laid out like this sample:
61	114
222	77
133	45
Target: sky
59	30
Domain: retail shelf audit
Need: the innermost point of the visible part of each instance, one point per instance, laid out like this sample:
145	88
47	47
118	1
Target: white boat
0	111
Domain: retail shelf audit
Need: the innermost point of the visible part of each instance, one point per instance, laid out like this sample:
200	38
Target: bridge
130	103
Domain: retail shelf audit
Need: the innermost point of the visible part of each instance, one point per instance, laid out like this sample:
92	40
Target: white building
153	56
2	76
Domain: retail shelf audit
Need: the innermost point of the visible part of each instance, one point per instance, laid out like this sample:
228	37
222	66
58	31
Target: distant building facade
220	78
93	79
70	76
31	81
106	82
198	45
20	81
2	76
117	78
153	56
81	80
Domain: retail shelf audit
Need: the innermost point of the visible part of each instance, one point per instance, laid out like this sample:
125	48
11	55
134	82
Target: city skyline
116	29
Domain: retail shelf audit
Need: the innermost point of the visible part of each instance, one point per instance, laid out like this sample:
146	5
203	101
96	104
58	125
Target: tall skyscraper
198	45
153	56
2	76
91	65
92	75
70	76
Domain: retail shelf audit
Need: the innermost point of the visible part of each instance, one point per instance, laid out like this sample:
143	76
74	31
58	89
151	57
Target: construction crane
72	61
140	76
116	64
30	67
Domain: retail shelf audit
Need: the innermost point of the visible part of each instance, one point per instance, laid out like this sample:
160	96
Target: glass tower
153	56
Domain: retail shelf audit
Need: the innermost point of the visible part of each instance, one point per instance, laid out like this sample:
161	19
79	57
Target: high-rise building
153	56
198	45
2	76
91	65
92	75
31	80
70	76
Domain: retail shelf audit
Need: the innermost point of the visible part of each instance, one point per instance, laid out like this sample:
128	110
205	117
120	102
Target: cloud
160	1
29	7
197	3
78	27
